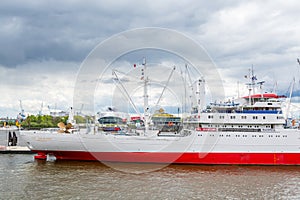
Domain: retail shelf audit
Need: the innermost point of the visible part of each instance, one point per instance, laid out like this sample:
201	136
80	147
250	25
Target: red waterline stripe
181	158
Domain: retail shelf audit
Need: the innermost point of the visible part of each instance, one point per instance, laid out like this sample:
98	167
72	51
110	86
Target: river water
22	177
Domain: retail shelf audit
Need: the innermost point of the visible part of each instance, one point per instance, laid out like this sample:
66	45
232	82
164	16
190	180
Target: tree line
43	121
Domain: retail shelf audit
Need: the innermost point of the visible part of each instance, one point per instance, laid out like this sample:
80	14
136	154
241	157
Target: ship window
264	117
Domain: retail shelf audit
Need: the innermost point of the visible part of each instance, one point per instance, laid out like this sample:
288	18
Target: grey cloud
69	30
235	33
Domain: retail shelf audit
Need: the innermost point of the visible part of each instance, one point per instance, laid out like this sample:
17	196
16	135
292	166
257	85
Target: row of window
228	135
242	117
239	126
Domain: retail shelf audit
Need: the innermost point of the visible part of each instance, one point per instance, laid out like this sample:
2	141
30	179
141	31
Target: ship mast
251	84
146	96
253	79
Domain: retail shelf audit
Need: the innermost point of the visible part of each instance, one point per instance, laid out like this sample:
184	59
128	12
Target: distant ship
246	131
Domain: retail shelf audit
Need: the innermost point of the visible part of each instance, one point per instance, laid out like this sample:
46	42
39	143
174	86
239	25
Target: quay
15	150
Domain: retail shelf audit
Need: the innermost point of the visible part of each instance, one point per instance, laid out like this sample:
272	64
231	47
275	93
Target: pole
146	100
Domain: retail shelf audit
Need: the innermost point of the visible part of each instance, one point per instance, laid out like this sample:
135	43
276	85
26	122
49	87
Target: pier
15	150
11	143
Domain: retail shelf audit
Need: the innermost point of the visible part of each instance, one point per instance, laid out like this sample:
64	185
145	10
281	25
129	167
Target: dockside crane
21	115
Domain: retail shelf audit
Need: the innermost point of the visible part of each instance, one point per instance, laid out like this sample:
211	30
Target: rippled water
23	178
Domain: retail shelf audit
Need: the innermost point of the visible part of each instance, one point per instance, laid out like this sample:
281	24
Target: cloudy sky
43	43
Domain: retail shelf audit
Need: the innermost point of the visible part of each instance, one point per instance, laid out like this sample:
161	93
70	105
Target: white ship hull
200	147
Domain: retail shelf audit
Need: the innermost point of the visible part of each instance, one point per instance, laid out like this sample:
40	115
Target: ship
250	130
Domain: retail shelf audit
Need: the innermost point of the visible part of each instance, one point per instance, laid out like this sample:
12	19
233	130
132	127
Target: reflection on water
23	178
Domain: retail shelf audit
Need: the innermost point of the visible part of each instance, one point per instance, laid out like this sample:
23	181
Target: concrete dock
12	143
15	150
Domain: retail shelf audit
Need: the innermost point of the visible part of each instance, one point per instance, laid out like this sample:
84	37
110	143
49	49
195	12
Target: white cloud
50	82
259	33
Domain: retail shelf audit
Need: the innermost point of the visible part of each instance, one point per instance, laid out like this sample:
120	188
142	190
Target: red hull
181	158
